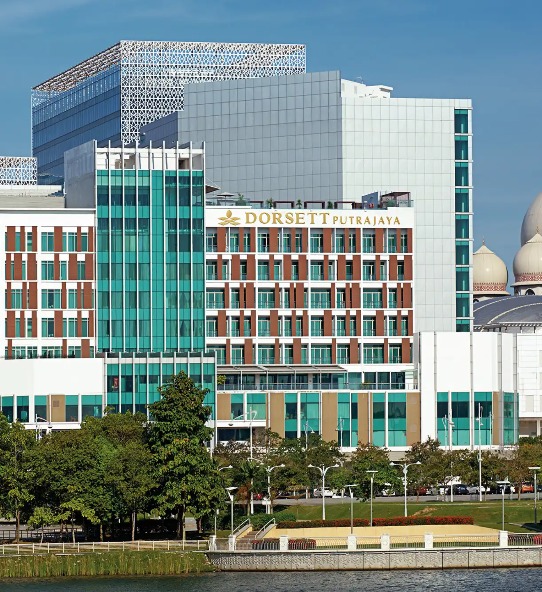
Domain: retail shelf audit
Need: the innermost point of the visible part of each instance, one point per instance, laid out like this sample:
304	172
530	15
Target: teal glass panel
510	419
462	279
461	253
461	148
462	305
461	121
442	415
397	419
483	415
461	226
462	200
379	419
461	419
461	174
72	408
23	409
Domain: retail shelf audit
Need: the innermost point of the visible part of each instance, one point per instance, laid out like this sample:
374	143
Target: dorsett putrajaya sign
240	217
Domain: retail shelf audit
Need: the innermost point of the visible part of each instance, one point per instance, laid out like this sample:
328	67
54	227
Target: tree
16	477
373	458
186	474
430	473
40	518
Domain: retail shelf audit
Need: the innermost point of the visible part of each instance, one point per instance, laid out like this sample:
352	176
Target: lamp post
269	509
503	484
306	426
230	491
479	420
323	470
351	488
405	468
372	473
449	427
340	425
535	471
221	469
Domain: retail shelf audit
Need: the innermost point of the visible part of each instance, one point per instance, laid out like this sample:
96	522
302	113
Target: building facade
111	95
319	137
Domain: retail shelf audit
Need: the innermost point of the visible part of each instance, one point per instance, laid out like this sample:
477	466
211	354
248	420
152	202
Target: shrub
422	520
265	544
260	520
322	523
301	544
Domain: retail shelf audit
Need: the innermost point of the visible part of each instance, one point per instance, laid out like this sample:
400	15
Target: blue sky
487	50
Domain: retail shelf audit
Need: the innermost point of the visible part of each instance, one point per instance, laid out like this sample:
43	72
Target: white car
318	492
474	489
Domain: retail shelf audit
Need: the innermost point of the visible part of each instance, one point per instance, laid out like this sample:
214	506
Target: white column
352	542
283	542
231	542
503	538
428	540
385	542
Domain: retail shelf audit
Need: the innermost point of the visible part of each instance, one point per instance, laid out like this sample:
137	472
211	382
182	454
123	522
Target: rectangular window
391	326
211	270
51	299
246	241
211	326
461	148
84	241
373	354
340	327
29	327
234	330
243	269
286	326
462	200
461	253
320	354
317	271
72	299
69	242
266	299
462	279
299	327
64	270
461	174
263	242
341	298
264	326
321	298
461	121
404	326
215	298
30	241
317	326
286	241
392	241
349	270
84	327
277	270
48	327
372	298
353	327
81	271
462	305
220	352
237	354
74	351
404	242
295	270
316	241
263	270
400	271
369	271
352	243
343	354
234	241
369	326
16	298
461	226
397	419
266	354
288	354
339	241
211	242
394	354
392	298
234	298
47	270
47	241
247	327
298	242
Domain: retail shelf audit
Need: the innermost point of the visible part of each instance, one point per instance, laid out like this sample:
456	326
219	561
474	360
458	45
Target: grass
111	563
487	514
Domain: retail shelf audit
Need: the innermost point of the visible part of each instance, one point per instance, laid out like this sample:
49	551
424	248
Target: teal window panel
461	148
461	121
462	305
462	252
462	279
461	226
461	174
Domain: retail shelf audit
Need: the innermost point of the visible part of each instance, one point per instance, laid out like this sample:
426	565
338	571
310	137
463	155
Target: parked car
507	489
475	489
318	492
459	489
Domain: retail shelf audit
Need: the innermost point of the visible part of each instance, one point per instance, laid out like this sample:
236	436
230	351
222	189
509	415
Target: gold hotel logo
307	218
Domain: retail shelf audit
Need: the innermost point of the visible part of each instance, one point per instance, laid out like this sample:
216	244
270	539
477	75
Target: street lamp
503	484
535	471
269	508
340	425
221	469
479	420
372	473
230	491
323	470
350	488
449	428
405	468
306	426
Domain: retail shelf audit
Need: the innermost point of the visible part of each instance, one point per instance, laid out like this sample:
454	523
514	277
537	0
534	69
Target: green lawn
483	513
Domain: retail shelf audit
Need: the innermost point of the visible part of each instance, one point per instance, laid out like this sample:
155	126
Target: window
234	241
246	241
64	270
298	242
404	242
211	326
69	242
404	326
264	326
368	271
72	299
220	352
395	354
462	200
16	298
74	351
369	326
84	241
263	270
29	327
51	299
317	271
461	148
340	327
392	241
234	298
462	253
368	241
397	419
285	298
349	270
215	298
263	241
392	298
461	121
81	271
277	270
295	270
285	326
69	327
266	354
51	352
299	326
30	241
317	326
352	243
462	279
400	271
247	327
339	241
373	354
48	327
331	271
47	241
211	272
237	354
47	270
341	298
316	241
462	305
372	298
321	298
321	354
243	270
391	326
461	174
288	354
84	327
211	242
461	226
266	299
286	241
343	354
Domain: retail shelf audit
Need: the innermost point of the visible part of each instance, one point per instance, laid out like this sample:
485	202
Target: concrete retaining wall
376	560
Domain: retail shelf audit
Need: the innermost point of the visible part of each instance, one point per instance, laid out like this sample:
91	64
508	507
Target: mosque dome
532	221
528	261
490	275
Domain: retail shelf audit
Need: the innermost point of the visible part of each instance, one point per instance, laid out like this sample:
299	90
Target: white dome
532	221
489	272
528	262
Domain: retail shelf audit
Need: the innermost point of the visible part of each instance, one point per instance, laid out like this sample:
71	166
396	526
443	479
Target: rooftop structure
18	170
138	82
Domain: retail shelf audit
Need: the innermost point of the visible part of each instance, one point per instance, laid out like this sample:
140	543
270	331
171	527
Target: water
479	580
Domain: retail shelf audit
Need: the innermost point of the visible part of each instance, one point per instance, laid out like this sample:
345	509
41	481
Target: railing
407	542
242	527
265	528
524	539
55	548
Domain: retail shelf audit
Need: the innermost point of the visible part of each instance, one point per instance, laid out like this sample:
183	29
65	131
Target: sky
486	50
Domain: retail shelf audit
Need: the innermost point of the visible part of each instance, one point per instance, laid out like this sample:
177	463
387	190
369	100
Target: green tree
186	474
430	472
16	476
373	458
40	518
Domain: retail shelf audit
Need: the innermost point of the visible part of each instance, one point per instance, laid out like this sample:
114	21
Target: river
479	580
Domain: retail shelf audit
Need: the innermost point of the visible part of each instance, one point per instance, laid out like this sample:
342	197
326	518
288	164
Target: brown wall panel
57	404
31	267
18	266
58	323
7	267
379	240
409	240
58	239
386	352
363	419
251	267
221	240
329	416
276	412
328	240
341	268
297	351
392	268
405	350
72	266
380	328
328	323
408	267
287	267
10	244
273	240
91	332
354	351
407	296
10	323
274	323
235	267
89	266
305	240
85	348
221	323
303	268
497	419
413	418
223	406
87	298
249	357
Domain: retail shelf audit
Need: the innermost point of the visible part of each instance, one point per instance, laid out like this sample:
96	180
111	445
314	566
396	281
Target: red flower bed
301	545
422	520
399	521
